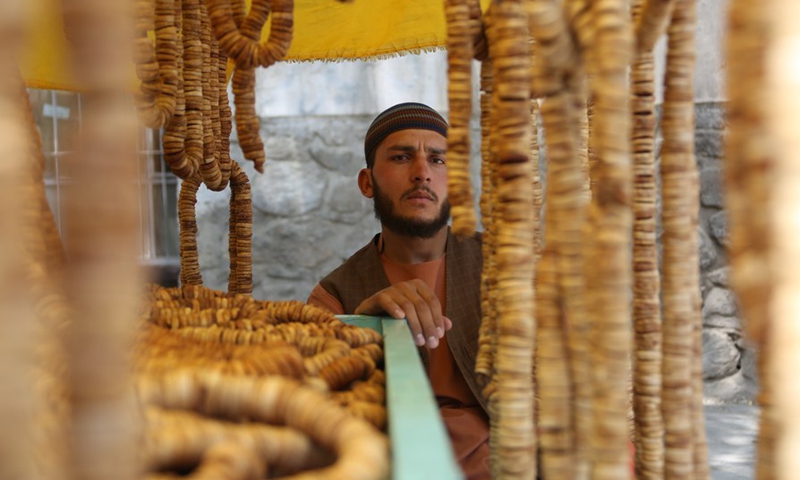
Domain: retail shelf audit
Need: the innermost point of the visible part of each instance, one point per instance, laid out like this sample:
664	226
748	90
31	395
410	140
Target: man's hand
414	301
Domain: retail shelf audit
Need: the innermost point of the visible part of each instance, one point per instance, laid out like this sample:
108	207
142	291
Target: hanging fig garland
608	259
515	442
459	94
680	200
238	37
750	174
157	67
647	379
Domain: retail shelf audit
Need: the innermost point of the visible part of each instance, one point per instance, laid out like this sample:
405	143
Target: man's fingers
380	303
432	319
426	306
416	322
448	324
416	330
414	301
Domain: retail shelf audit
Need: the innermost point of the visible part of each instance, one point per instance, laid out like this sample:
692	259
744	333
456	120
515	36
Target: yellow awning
323	30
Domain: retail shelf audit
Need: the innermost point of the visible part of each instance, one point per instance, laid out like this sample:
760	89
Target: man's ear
365	182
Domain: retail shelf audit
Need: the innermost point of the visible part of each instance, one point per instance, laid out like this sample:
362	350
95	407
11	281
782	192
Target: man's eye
439	160
399	158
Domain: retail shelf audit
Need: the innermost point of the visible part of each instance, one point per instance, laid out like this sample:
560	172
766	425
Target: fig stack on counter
241	388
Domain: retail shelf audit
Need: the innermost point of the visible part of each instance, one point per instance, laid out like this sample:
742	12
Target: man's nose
420	169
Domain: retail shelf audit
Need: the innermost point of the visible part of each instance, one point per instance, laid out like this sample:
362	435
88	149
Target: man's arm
320	297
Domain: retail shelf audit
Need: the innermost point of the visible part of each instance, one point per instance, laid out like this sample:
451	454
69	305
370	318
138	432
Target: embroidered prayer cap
403	116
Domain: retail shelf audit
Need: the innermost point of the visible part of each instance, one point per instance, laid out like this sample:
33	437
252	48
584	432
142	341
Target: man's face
409	183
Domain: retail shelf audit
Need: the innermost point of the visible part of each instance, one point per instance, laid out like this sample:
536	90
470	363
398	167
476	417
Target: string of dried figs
187	198
581	20
486	341
155	357
198	297
459	96
373	390
154	354
202	313
608	258
47	249
560	317
749	177
244	47
244	79
295	311
157	68
177	440
222	327
651	22
649	431
361	450
684	443
240	238
331	350
559	286
345	370
325	350
222	460
217	95
209	167
193	82
480	46
43	263
317	352
555	49
778	338
175	129
225	115
582	110
104	299
373	413
508	49
241	233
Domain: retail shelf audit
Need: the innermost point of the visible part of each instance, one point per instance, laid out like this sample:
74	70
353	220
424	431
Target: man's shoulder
357	278
353	265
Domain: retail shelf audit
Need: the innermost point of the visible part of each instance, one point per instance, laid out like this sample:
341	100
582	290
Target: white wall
368	87
351	87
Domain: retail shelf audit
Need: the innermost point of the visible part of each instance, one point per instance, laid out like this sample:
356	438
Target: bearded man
415	269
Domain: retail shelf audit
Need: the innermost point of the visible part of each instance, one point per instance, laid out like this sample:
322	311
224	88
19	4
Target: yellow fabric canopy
323	30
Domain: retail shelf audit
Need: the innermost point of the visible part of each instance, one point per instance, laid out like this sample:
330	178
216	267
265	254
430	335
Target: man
415	269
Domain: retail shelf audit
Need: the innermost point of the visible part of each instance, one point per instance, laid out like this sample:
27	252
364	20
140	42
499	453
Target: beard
408	227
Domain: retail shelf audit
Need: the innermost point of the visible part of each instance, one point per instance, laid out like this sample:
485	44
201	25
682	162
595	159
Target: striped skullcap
403	116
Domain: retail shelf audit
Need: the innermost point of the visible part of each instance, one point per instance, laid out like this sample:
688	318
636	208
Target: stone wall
308	214
728	361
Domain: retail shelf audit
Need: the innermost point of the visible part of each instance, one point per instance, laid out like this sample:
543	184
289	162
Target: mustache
423	188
